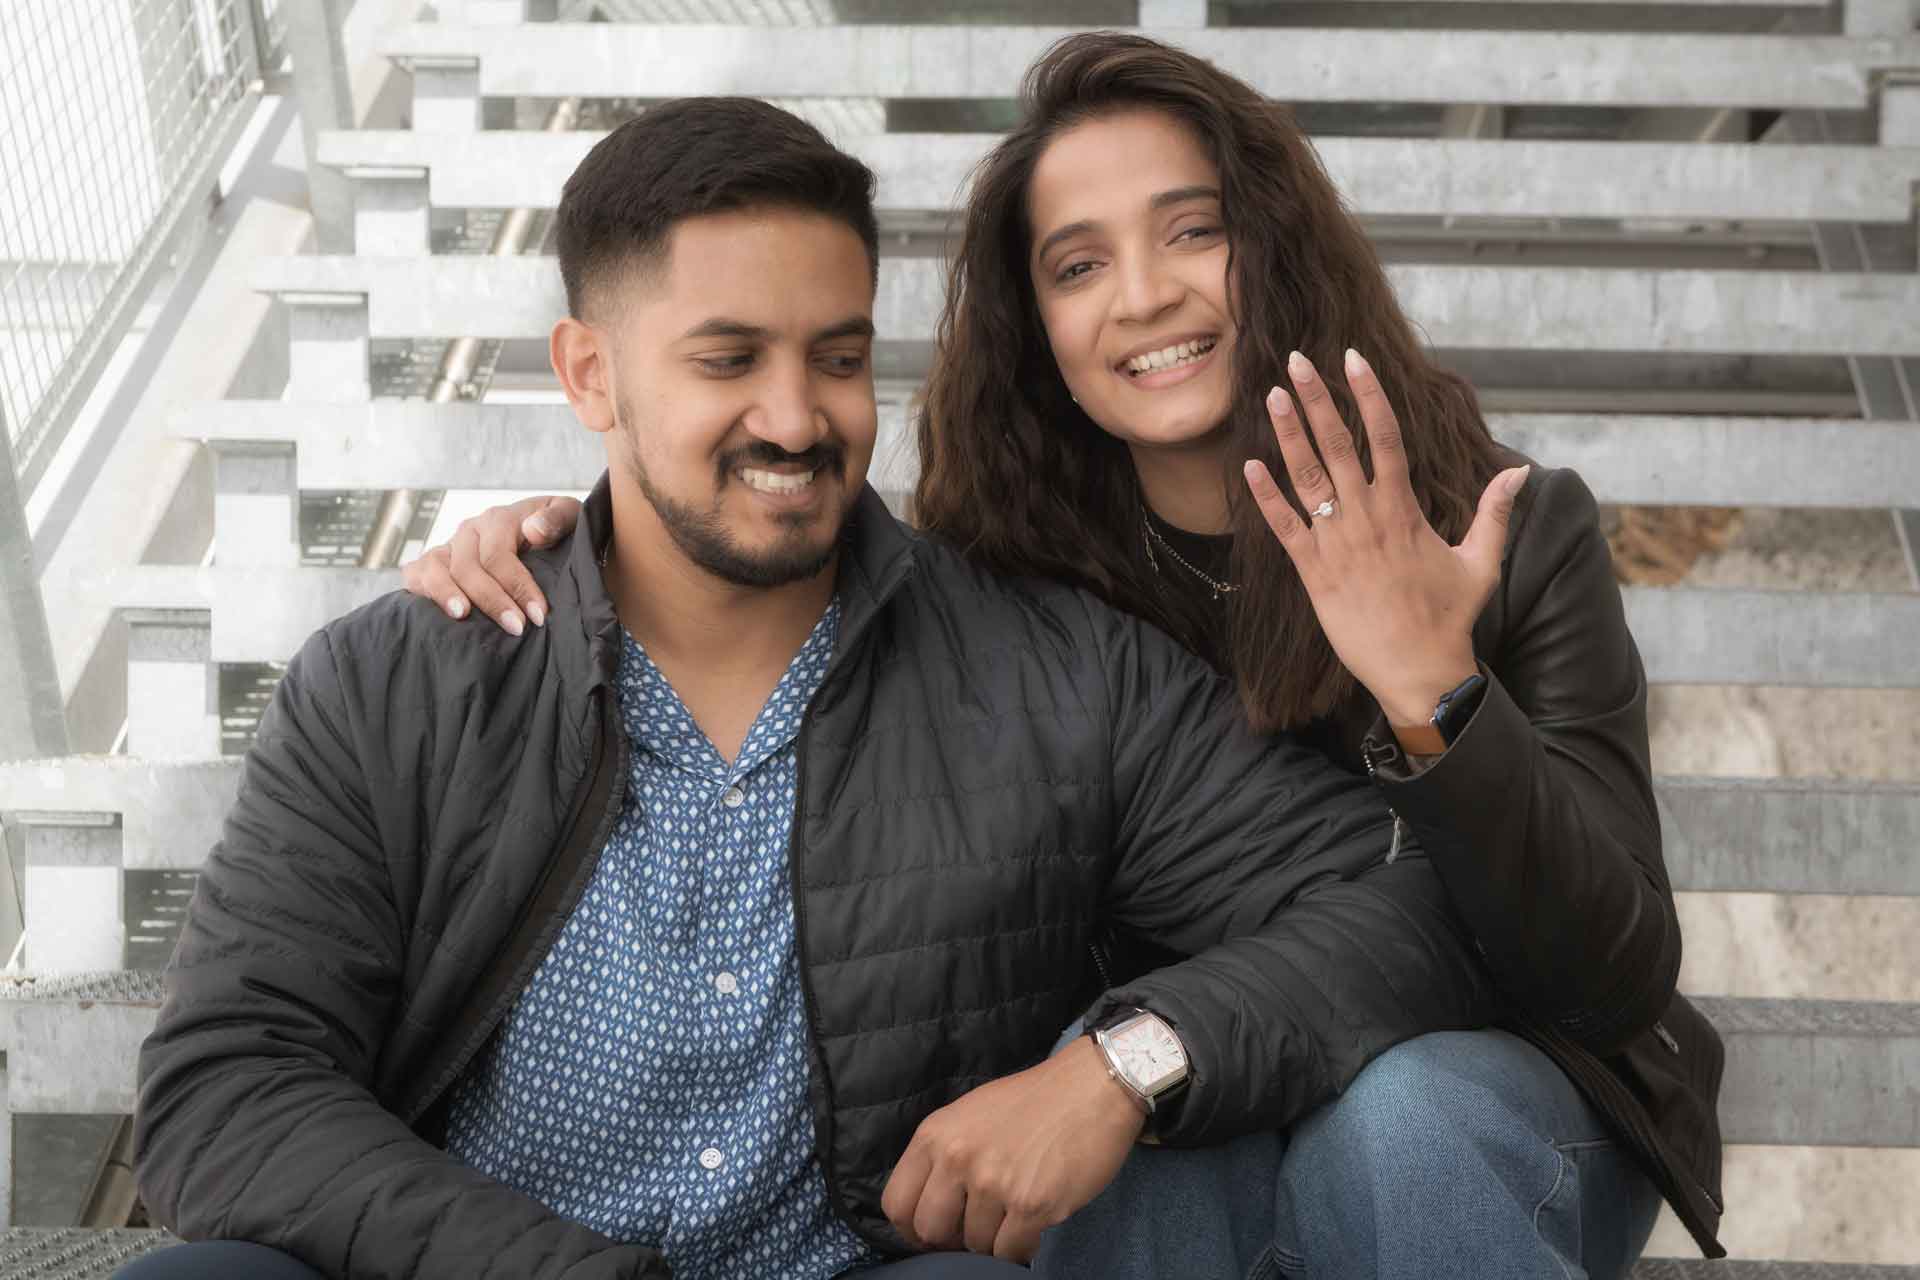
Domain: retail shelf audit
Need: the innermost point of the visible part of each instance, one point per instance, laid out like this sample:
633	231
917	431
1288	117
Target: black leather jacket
991	773
1540	819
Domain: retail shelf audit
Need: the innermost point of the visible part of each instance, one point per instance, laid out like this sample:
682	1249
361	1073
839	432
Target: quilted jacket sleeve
1314	945
254	1119
1540	817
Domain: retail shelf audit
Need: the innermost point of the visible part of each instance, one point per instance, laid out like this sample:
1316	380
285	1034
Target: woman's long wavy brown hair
1016	475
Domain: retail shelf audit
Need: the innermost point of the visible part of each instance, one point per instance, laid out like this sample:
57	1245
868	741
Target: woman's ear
581	360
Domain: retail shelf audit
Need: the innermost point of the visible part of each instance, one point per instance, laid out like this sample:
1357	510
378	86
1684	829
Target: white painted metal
390	210
256	505
75	914
327	352
173	704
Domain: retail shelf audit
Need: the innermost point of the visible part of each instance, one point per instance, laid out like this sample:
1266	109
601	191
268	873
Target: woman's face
1129	264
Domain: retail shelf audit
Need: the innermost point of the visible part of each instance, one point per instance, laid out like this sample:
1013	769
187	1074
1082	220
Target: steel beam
1300	65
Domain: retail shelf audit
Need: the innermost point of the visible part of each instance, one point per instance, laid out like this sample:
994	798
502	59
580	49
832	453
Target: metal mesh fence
113	116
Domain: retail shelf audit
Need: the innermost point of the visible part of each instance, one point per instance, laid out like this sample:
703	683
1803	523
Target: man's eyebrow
721	327
851	327
1178	195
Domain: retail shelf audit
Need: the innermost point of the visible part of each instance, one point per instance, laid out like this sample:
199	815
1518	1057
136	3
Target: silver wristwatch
1144	1055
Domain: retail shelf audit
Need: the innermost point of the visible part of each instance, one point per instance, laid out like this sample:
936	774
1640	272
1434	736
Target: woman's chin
1179	432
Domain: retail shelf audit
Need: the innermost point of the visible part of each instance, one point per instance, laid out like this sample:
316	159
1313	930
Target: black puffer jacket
989	774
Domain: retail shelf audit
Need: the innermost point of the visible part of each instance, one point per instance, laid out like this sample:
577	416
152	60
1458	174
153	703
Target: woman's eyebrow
1180	195
1067	232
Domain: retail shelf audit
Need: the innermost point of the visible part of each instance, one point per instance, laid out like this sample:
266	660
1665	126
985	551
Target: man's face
741	389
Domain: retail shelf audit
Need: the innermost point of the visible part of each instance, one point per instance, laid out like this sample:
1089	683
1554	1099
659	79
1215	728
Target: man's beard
703	537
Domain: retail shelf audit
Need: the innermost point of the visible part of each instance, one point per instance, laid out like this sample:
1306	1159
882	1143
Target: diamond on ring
1322	511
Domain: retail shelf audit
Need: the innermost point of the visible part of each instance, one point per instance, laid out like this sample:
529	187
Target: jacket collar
878	555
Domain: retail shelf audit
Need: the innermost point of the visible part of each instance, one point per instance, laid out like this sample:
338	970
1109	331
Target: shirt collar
658	721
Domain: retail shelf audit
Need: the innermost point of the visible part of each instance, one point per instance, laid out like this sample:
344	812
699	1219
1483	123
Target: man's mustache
765	454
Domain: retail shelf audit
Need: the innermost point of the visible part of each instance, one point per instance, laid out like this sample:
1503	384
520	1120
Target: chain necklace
1150	535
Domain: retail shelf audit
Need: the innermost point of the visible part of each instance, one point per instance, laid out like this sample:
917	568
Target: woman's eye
845	366
1198	232
1074	270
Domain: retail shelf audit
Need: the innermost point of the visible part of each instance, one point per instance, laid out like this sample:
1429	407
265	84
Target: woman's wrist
1410	702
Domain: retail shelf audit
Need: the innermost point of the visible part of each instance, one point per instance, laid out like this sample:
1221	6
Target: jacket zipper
1373	776
796	846
490	1017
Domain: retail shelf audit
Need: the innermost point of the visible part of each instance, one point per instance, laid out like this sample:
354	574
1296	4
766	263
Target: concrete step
554	60
1381	177
1459	307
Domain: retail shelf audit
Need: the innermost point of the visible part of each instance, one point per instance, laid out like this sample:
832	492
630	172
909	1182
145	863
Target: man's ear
580	360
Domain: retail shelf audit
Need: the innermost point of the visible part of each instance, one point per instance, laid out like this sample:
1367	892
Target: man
725	922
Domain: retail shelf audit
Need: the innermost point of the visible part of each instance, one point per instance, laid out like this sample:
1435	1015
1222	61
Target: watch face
1148	1052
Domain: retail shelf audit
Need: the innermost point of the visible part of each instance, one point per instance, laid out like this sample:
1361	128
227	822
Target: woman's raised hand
1397	603
480	568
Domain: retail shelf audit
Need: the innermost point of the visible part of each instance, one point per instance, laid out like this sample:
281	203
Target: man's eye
726	365
844	366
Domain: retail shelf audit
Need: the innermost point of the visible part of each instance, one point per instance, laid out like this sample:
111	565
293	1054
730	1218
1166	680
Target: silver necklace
1150	535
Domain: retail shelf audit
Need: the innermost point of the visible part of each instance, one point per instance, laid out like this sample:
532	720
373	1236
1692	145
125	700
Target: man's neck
722	647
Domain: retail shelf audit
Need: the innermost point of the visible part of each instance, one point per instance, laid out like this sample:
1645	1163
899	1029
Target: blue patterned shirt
651	1081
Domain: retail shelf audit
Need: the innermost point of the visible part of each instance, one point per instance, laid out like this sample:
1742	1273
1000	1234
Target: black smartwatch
1455	709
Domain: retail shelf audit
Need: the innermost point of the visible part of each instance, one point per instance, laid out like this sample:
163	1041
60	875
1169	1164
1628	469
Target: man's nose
788	413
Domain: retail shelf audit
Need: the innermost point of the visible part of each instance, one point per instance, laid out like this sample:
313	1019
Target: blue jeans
1460	1154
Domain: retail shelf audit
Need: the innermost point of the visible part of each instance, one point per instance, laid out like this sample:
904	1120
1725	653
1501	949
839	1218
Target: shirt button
711	1159
726	984
734	798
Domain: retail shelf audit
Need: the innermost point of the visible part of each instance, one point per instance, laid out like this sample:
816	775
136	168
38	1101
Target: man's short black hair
695	156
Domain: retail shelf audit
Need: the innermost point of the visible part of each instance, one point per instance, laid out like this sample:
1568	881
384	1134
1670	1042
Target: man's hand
993	1170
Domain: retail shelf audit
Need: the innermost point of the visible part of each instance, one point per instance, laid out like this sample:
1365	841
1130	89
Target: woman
1141	261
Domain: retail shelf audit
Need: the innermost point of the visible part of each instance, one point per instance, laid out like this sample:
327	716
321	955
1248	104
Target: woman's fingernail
457	608
537	612
513	623
1256	476
537	528
1355	365
1279	403
1515	479
1299	366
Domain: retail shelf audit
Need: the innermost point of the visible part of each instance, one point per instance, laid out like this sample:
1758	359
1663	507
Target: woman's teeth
1170	357
776	482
